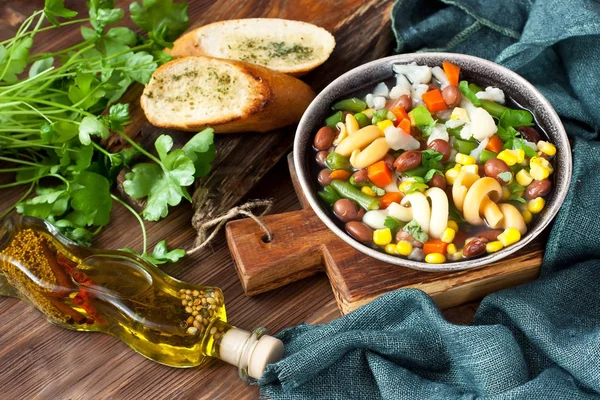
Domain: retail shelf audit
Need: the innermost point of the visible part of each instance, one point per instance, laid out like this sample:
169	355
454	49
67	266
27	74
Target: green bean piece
359	185
421	170
487	155
421	116
329	195
464	146
347	191
352	105
463	86
337	161
474	88
493	108
333	120
362	120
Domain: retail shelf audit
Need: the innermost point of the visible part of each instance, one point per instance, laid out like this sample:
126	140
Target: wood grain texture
41	361
303	246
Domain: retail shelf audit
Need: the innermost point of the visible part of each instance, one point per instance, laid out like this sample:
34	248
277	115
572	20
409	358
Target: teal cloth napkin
535	341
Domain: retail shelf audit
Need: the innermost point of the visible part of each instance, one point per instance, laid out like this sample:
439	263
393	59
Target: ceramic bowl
480	71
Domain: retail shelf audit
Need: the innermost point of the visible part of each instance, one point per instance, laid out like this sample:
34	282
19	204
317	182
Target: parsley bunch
52	106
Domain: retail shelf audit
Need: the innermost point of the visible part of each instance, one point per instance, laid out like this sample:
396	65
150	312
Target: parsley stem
137	216
9	209
140	148
101	149
5	170
25	101
19	183
17	161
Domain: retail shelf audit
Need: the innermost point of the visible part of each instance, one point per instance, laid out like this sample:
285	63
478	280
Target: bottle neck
251	352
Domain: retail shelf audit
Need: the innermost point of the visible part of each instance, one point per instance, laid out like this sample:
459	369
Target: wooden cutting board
303	246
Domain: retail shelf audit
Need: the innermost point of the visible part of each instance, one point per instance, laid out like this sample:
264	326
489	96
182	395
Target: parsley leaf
431	159
507	134
378	191
160	254
414	229
48	202
415	187
56	8
90	200
394	224
201	150
103	13
13	60
162	19
515	118
506	176
141	66
92	126
518	143
40	66
118	116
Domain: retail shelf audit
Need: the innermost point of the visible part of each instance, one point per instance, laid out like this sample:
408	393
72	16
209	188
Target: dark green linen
535	341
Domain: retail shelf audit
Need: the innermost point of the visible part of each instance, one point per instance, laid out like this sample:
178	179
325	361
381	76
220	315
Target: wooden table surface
39	360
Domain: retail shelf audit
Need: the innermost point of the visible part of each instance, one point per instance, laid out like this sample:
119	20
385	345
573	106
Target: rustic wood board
303	246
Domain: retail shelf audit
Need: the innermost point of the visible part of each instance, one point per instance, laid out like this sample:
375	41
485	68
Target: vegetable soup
433	168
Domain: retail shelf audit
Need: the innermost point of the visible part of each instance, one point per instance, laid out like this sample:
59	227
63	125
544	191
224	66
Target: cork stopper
251	352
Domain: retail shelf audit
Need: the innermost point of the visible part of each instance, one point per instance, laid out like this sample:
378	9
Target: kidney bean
361	176
423	142
323	177
347	210
407	237
408	160
406	102
490	235
389	161
451	96
324	138
359	231
437	181
530	134
538	189
475	247
495	166
321	157
441	146
460	237
432	87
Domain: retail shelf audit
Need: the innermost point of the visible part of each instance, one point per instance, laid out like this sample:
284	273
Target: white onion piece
400	212
438	132
397	91
375	218
415	73
439	211
379	102
491	93
420	209
398	140
417	254
482	124
476	153
393	186
417	94
454	123
381	90
440	75
369	100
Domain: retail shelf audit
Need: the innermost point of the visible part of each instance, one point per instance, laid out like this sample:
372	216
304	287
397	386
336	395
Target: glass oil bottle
169	321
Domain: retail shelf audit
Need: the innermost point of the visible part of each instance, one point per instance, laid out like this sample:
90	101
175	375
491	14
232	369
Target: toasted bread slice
191	93
291	47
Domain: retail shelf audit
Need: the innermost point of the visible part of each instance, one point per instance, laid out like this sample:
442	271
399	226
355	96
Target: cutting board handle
295	251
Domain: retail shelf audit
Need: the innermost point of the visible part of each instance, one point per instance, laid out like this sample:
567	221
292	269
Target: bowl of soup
433	161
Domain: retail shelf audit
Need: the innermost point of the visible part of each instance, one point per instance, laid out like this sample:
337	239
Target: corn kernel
472	168
509	236
435	258
520	153
448	235
540	168
382	237
460	114
547	148
536	205
464	159
386	123
452	224
368	191
451	249
505	193
404	248
508	156
452	173
494	246
524	178
456	256
527	216
390	248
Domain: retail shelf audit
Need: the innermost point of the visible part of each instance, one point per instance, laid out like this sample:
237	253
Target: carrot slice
434	101
389	198
400	113
339	174
379	174
434	246
452	72
405	125
495	144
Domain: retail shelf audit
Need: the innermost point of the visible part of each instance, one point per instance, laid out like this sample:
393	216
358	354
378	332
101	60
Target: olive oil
169	321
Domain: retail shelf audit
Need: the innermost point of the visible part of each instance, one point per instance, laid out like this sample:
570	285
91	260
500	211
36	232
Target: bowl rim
553	119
